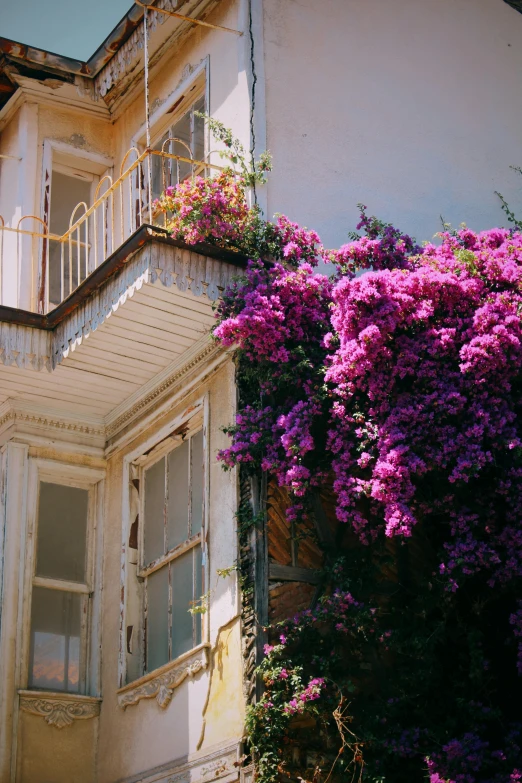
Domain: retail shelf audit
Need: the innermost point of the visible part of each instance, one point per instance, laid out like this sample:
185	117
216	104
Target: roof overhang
125	42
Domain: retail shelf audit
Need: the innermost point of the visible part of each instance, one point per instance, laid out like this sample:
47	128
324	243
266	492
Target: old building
115	515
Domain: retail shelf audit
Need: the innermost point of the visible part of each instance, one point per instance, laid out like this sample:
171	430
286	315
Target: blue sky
74	28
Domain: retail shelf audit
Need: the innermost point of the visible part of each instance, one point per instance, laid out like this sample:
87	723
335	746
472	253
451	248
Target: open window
71	188
70	181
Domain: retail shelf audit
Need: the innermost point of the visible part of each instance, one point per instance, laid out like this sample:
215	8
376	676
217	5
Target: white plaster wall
17	198
413	107
228	74
145	736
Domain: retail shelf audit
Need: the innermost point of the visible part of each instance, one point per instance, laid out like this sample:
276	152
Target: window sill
59	709
162	682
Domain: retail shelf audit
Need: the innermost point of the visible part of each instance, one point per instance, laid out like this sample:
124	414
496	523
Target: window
62	589
186	137
171	565
69	187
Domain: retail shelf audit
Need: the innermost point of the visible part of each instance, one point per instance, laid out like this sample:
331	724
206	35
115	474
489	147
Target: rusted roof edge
94	64
144	235
42	57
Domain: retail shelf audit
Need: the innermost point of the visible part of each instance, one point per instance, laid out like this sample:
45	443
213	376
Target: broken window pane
177	517
197	483
154	545
157	618
55	640
182	577
62	532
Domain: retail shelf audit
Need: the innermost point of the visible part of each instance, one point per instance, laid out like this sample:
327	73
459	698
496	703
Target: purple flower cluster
470	760
424	379
278	316
310	693
404	383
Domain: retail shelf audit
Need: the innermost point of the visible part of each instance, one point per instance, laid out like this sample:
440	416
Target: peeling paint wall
224	712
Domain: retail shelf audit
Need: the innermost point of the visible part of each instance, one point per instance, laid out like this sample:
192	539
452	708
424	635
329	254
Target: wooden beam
281	573
324	530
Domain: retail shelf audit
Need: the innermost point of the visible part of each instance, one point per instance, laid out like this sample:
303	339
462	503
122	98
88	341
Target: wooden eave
139	324
111	266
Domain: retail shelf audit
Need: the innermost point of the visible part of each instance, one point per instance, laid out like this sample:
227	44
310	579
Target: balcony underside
148	318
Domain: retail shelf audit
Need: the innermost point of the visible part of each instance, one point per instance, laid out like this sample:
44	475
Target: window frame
135	464
195	82
73	161
91	480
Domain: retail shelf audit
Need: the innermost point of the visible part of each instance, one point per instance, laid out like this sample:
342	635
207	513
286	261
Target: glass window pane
154	544
177	516
62	532
160	172
196	503
181	131
182	597
55	640
157	618
198	565
199	131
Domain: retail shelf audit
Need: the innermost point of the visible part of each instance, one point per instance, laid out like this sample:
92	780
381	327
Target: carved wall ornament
57	709
161	685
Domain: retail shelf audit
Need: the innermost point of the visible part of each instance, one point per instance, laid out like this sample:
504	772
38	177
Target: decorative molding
207	769
59	709
156	104
162	683
160	385
118	81
12	413
218	763
186	73
25	347
66	97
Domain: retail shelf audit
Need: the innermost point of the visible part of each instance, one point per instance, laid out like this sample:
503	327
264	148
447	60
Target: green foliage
236	153
507	209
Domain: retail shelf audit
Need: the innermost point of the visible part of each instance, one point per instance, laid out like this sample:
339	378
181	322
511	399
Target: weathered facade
115	516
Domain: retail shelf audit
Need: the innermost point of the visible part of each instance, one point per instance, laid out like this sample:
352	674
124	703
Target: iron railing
57	264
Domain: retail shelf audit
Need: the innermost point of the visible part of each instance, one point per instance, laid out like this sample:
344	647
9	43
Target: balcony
40	270
121	320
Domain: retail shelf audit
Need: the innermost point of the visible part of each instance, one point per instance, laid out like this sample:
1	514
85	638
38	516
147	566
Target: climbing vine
402	385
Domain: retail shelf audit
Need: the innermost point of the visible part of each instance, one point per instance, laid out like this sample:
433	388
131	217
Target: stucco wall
413	108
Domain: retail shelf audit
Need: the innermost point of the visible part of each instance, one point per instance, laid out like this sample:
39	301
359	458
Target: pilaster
13	522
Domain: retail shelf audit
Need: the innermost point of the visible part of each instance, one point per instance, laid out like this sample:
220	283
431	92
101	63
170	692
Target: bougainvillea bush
399	379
